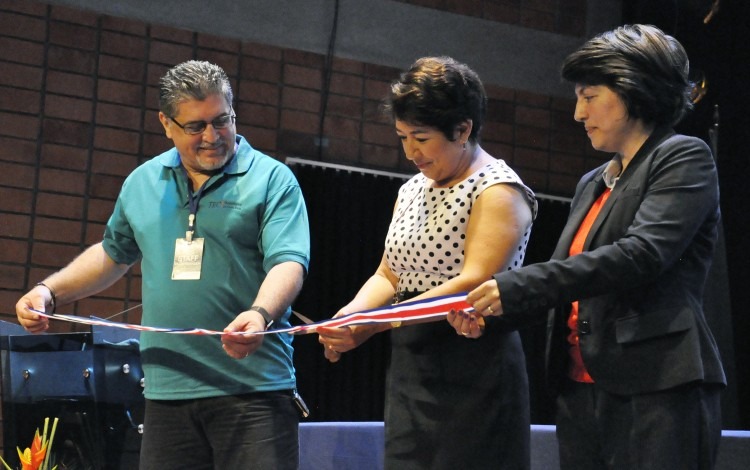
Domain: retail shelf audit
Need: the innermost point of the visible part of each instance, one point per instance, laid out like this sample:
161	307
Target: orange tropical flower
32	458
36	457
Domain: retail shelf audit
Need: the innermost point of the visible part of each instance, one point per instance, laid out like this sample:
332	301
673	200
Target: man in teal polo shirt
219	228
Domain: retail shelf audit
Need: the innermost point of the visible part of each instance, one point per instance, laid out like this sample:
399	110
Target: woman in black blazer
635	368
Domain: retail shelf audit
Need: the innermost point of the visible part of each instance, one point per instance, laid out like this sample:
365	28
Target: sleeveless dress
452	402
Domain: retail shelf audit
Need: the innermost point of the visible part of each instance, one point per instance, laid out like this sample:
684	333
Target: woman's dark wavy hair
647	68
438	92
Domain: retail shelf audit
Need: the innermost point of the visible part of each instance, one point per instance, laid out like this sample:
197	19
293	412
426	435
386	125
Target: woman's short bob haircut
438	92
647	68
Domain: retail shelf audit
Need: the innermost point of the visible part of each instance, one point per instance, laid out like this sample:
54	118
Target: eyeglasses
197	127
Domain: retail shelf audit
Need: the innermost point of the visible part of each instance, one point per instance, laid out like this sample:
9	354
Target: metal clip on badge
189	232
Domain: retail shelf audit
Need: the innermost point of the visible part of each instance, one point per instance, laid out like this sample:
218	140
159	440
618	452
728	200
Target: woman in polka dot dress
464	217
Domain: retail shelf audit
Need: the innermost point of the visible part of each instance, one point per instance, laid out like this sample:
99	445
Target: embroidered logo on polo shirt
225	205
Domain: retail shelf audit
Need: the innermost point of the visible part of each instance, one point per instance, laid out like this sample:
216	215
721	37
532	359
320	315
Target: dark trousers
679	428
257	430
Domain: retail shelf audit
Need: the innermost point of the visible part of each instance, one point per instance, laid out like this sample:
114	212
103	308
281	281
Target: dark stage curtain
349	215
544	234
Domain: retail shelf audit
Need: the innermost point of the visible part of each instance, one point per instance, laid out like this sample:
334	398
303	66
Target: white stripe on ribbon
435	307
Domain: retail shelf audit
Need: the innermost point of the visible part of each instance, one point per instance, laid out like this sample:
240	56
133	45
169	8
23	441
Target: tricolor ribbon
435	307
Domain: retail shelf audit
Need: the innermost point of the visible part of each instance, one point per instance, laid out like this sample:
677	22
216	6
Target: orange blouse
577	370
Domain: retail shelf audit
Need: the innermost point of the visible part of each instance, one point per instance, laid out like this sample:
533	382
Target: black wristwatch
264	313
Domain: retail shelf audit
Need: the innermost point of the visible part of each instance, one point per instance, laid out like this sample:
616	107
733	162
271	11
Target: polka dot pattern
425	242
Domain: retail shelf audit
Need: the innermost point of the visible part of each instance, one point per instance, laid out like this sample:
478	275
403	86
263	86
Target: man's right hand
37	298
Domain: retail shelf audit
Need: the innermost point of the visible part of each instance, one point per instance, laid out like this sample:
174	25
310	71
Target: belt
401	296
404	295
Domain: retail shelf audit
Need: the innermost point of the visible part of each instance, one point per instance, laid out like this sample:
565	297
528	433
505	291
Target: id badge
188	257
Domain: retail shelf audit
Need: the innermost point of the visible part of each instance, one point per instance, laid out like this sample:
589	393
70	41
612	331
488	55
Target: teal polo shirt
252	217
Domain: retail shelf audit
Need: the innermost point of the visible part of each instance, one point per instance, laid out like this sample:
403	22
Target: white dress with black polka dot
425	242
445	390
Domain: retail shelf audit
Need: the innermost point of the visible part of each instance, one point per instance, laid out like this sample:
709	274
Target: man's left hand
241	346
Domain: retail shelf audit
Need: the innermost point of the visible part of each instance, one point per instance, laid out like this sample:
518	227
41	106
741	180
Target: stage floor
359	446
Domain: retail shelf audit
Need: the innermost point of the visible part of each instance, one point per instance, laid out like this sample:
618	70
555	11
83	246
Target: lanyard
193	201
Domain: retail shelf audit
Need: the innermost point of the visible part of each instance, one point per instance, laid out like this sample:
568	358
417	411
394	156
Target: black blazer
641	277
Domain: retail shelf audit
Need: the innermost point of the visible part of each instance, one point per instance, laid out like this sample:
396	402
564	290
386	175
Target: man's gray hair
192	80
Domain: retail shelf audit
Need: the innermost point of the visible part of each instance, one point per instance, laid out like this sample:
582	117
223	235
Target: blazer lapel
577	213
624	181
620	186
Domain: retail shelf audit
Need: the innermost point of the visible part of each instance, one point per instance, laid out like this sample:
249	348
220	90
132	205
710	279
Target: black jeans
256	430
